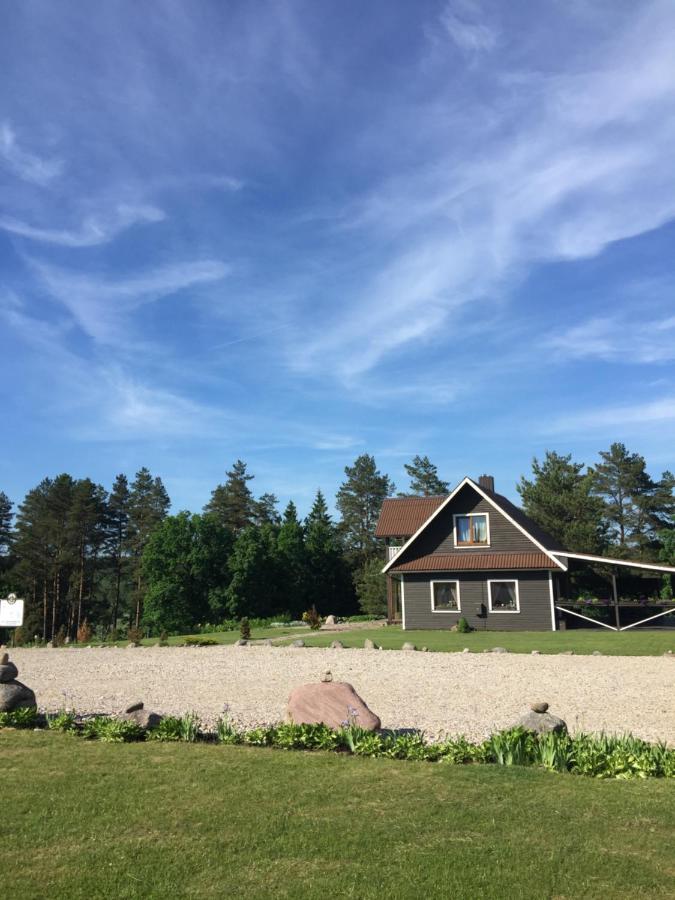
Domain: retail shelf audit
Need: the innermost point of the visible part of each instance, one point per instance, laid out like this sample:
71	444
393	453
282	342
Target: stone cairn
539	720
13	694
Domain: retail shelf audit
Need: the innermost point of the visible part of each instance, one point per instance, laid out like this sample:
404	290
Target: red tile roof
402	516
456	562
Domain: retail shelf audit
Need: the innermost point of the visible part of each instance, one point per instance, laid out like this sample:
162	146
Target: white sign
11	612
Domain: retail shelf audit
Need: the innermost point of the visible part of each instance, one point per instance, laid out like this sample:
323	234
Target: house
474	554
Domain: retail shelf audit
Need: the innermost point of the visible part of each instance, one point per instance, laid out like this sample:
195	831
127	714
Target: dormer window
472	530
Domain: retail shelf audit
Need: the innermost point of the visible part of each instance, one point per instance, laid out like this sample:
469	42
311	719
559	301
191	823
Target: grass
152	820
627	643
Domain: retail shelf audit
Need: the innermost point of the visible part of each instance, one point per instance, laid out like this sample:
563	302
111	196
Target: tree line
112	560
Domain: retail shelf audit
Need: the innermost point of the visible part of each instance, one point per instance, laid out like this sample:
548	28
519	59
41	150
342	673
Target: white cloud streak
618	339
95	229
459	20
650	412
24	164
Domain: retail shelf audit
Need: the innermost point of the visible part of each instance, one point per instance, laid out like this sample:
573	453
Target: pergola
609	561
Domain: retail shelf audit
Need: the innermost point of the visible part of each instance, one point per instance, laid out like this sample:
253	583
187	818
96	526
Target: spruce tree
560	499
148	505
293	561
265	510
329	584
232	503
359	501
256	577
424	480
118	539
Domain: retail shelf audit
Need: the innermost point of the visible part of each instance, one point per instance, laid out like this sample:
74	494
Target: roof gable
402	516
510	512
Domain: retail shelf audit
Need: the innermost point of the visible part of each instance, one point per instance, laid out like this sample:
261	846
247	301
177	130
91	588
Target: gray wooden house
473	553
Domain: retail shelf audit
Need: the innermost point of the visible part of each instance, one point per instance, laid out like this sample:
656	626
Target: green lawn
93	820
627	643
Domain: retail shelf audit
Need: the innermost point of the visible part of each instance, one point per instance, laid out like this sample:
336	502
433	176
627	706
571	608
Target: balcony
391	552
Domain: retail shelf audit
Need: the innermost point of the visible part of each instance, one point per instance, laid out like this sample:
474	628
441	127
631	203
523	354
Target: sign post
11	611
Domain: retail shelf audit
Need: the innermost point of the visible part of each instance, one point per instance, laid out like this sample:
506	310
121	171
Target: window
472	530
504	596
445	596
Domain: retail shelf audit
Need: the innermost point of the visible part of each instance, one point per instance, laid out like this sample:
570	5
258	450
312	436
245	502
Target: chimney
487	482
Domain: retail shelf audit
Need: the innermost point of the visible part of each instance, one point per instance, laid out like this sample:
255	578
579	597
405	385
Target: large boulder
329	622
136	712
13	694
332	702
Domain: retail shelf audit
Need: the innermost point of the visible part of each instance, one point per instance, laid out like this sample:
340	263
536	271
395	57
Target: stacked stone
13	694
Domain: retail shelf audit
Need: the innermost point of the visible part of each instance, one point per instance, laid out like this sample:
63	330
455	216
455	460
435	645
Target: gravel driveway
441	693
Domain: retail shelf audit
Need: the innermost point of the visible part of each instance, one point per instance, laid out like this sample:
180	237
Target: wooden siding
439	537
533	589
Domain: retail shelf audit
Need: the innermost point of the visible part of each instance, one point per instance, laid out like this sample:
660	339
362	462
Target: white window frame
454	581
470	516
497	612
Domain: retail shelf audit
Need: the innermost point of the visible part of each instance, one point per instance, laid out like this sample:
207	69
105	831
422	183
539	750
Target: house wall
535	601
439	536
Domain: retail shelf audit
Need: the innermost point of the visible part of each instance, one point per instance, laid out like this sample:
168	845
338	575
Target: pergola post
616	602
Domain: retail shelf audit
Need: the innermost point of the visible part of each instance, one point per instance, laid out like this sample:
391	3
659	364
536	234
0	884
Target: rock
329	621
131	645
334	703
298	643
539	707
267	642
454	627
596	653
50	645
408	646
568	653
499	650
425	649
536	653
15	695
466	650
337	645
542	722
241	643
668	653
133	707
326	677
8	671
4	659
368	644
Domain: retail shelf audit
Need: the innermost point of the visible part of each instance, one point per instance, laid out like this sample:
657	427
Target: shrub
245	629
135	635
312	618
19	637
463	626
163	639
84	633
169	729
200	642
59	638
226	733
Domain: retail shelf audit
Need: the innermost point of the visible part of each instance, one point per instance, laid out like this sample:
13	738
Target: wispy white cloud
102	306
95	229
619	338
24	164
624	417
461	20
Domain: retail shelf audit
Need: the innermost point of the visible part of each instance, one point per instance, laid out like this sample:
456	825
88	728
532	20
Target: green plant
26	717
59	638
190	728
259	737
163	638
84	633
463	626
135	635
111	730
312	618
226	733
245	629
62	721
512	747
200	642
169	729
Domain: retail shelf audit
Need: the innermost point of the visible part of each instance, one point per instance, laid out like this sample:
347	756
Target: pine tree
265	510
118	538
5	523
636	507
232	503
148	505
256	577
86	535
329	585
560	499
424	480
293	560
359	501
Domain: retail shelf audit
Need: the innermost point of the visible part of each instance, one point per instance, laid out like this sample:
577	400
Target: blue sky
293	232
